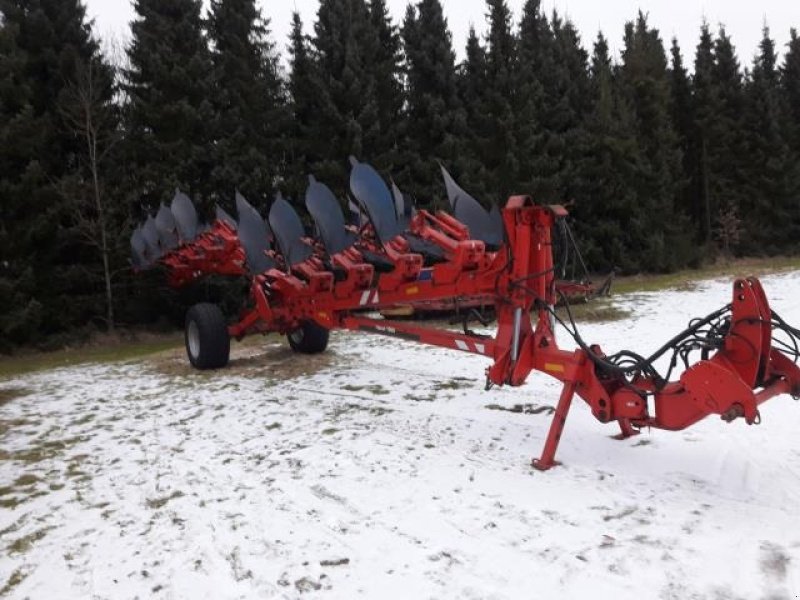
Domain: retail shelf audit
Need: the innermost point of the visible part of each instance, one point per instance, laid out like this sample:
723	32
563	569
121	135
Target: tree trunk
91	142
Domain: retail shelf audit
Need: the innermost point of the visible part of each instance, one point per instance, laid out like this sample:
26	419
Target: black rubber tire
208	344
309	338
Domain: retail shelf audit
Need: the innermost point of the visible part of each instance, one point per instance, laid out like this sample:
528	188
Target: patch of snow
384	475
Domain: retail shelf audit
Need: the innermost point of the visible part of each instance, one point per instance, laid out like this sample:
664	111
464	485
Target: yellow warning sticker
554	367
412	290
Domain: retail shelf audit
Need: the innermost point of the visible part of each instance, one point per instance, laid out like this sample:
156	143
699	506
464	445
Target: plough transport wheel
309	338
208	344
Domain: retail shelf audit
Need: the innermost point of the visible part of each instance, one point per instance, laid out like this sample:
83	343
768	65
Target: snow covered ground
379	471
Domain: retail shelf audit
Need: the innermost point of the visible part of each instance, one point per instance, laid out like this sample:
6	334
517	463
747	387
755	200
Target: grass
456	383
597	311
420	398
23	544
118	352
374	389
376	411
7	425
156	503
9	394
266	358
43	450
681	279
14	580
526	409
26	480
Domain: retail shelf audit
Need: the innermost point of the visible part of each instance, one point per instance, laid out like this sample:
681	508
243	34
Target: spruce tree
609	225
498	145
552	104
665	244
47	271
536	85
170	111
790	86
436	119
348	119
726	161
250	109
682	117
706	106
473	87
717	152
771	211
385	66
570	106
306	148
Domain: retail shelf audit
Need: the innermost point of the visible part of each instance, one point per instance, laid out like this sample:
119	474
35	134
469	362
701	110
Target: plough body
306	286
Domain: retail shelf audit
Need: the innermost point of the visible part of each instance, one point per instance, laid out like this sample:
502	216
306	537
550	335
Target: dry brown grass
686	280
271	360
101	350
9	394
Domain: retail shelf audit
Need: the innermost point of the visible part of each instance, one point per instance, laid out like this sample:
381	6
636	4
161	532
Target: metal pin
515	342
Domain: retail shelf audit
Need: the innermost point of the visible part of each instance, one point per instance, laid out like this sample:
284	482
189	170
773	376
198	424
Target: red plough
305	286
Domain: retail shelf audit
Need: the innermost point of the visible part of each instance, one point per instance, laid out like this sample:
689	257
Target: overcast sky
679	18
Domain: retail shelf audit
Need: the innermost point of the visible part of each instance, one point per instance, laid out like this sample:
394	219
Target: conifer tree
682	117
473	86
538	172
790	85
608	220
570	106
553	104
305	93
726	161
250	109
706	106
348	119
644	82
717	142
771	209
170	112
385	67
436	119
498	143
44	47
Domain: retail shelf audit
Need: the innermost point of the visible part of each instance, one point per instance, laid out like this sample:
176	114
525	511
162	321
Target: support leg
547	459
627	430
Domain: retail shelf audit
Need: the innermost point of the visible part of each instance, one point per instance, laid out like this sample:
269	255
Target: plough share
305	286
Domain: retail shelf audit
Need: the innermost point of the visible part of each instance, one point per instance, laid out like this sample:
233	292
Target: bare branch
88	112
